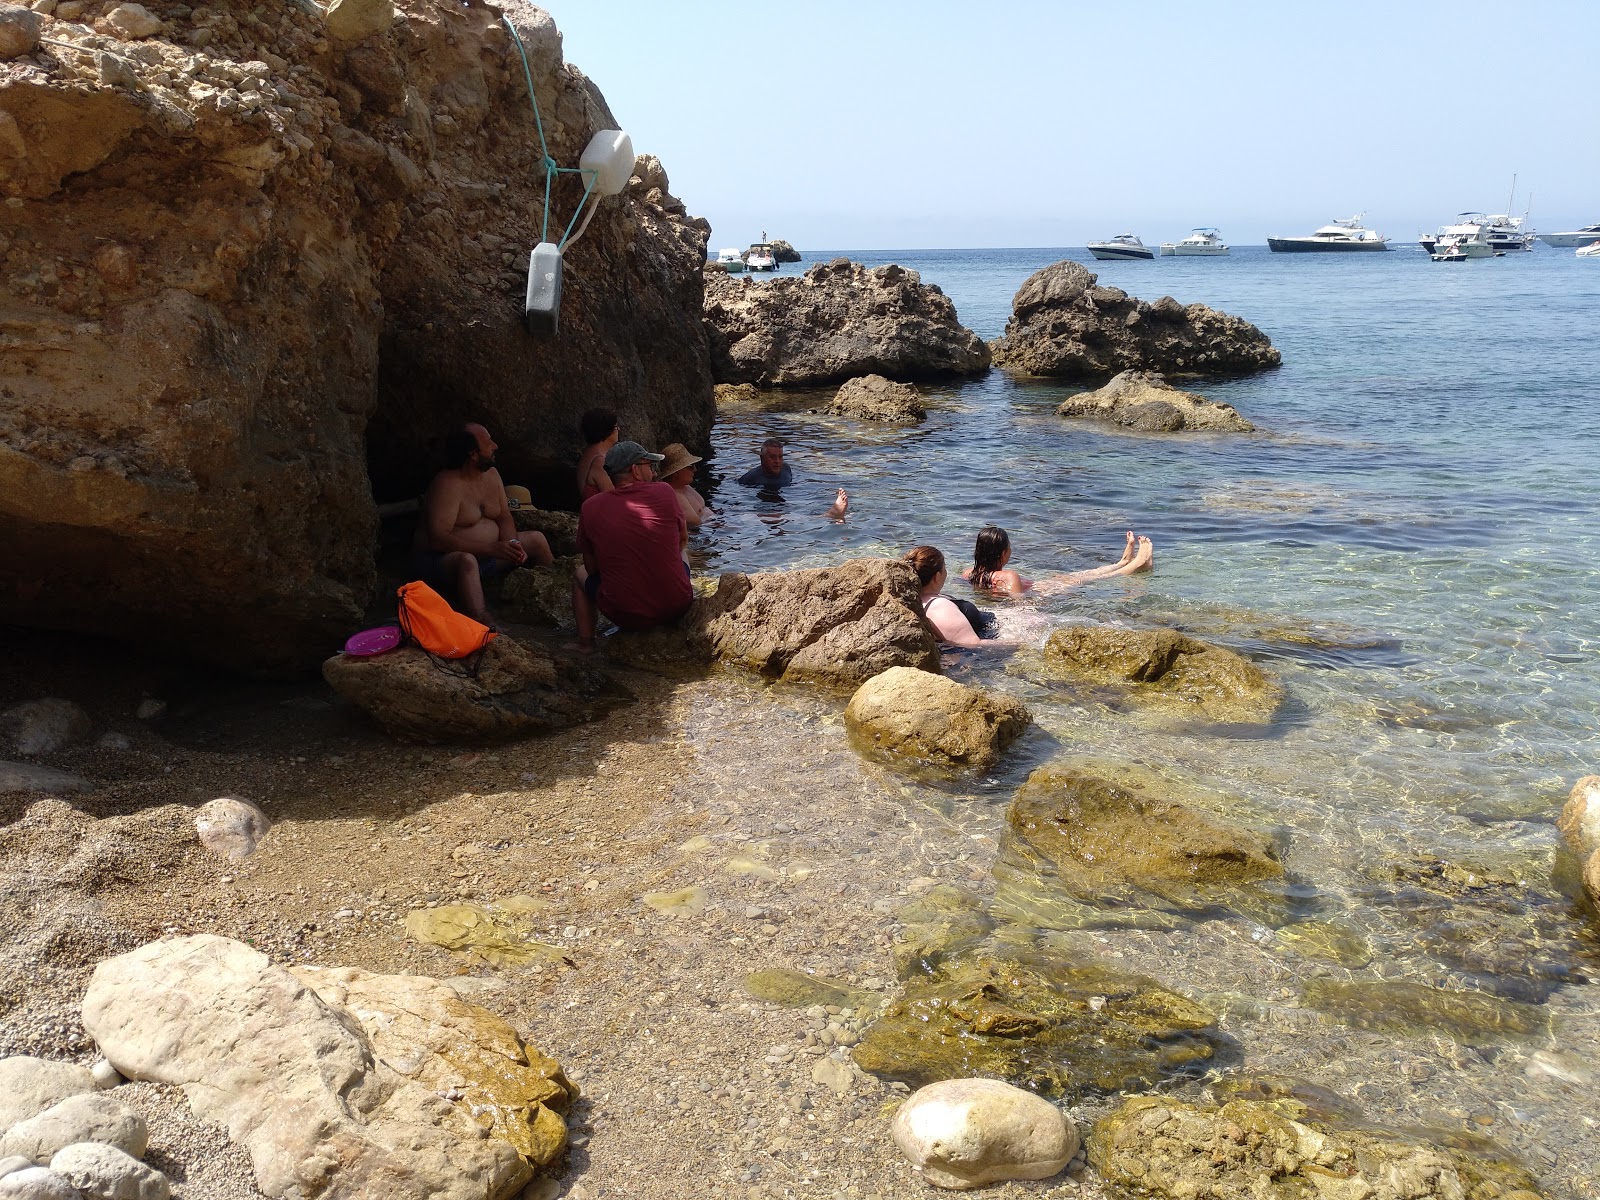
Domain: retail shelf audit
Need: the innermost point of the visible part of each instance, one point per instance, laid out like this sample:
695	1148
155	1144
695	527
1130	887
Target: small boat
1451	253
1203	242
1340	236
1592	250
760	257
1469	239
731	260
1578	237
1124	245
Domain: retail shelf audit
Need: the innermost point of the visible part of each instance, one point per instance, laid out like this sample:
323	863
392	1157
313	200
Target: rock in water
1065	326
964	1133
874	398
905	712
835	322
784	252
44	726
230	827
106	1173
1157	1147
1167	669
296	1080
1145	402
28	1086
506	690
92	1117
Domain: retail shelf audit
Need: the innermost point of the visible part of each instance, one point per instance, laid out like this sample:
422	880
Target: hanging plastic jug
541	312
609	155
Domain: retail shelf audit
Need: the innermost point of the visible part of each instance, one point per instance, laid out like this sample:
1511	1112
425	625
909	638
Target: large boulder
1164	668
964	1133
836	625
1580	826
253	270
1145	402
874	398
505	690
1169	1149
835	322
1064	325
784	252
299	1082
907	713
29	1086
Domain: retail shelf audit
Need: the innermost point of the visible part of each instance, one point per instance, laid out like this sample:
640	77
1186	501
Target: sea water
1408	543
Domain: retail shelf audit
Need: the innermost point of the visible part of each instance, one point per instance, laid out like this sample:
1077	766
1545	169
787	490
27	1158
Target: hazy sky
882	124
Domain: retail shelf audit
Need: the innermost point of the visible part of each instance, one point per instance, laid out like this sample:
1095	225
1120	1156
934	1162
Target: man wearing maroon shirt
632	540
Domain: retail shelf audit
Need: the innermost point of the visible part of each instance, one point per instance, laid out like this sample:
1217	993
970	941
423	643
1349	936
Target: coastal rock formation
256	256
784	252
1145	402
874	398
1580	826
506	690
907	713
1116	845
1277	1150
964	1133
299	1082
1167	669
540	595
835	322
1064	325
835	625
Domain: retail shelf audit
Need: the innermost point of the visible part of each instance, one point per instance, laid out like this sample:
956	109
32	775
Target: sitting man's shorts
428	565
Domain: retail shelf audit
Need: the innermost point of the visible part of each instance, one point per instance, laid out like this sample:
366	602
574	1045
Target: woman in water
600	428
992	552
947	620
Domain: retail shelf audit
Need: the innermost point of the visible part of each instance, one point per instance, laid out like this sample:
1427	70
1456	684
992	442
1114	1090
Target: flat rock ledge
906	713
1145	402
837	321
874	398
1065	326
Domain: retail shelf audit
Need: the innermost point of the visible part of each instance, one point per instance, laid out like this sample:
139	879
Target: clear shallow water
1420	501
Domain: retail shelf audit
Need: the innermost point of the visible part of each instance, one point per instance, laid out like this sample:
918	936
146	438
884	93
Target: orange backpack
439	629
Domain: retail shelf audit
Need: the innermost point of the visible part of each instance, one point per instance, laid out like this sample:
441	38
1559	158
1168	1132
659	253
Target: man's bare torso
470	508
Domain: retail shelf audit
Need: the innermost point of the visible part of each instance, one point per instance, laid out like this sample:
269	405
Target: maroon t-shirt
632	534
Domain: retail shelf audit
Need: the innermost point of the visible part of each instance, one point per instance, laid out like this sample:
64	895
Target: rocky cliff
1063	324
255	259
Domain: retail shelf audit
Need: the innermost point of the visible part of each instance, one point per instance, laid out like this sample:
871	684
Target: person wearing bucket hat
677	472
632	539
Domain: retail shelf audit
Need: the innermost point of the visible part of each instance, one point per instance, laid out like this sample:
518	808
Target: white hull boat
1124	245
1456	243
731	261
1592	250
1578	237
761	258
1202	243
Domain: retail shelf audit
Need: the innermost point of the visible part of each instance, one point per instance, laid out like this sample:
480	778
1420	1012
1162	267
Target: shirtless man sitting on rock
466	533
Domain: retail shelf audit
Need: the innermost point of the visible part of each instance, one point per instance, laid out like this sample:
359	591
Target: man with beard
466	534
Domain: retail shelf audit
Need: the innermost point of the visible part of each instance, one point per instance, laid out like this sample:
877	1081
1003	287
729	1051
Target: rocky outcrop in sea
1145	402
255	262
1064	324
837	321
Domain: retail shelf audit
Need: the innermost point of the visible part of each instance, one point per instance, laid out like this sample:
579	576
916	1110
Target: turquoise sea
1408	543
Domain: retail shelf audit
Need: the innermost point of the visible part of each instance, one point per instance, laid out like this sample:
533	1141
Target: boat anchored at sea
1124	245
1339	236
1467	238
1204	242
730	260
1576	237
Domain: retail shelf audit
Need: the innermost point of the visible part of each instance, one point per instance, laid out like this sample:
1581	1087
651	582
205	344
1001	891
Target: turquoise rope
551	170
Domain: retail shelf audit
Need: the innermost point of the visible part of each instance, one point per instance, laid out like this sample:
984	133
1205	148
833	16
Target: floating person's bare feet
1144	555
1129	549
841	506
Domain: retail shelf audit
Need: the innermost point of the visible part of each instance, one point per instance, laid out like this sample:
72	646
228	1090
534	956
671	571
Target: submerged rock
874	398
1055	1027
1164	668
1145	402
837	321
500	937
1275	1150
1398	1006
1112	845
907	713
296	1080
964	1133
1063	325
797	989
505	690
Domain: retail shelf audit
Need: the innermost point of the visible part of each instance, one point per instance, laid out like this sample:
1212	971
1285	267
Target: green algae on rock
1415	1008
796	989
908	713
1275	1150
1164	668
500	938
685	902
1055	1027
943	922
1328	941
1112	845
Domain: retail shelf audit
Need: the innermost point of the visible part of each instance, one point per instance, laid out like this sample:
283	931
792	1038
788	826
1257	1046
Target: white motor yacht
1124	245
1202	242
1465	223
1592	250
731	261
1467	238
1339	236
1578	237
760	257
1507	233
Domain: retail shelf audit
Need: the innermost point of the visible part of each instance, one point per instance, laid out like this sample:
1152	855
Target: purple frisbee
370	643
